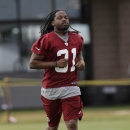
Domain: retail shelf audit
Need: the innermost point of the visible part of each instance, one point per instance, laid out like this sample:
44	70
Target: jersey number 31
66	53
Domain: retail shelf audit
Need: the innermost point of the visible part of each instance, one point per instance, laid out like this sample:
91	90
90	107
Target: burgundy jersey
54	49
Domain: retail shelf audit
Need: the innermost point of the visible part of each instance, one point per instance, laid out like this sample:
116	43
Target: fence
93	91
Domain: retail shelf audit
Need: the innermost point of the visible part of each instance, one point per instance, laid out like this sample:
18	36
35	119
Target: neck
61	33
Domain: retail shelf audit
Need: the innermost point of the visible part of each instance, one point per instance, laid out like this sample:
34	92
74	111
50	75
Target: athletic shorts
71	108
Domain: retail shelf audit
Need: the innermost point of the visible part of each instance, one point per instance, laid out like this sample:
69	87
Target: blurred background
105	27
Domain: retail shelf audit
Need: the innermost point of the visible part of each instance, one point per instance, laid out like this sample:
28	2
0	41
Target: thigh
53	111
72	108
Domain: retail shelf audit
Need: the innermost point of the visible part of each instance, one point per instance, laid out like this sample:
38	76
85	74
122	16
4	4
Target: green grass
95	118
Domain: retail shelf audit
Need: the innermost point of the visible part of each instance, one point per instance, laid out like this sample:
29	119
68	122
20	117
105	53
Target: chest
67	48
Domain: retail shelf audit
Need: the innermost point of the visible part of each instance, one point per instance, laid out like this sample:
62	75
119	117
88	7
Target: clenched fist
62	63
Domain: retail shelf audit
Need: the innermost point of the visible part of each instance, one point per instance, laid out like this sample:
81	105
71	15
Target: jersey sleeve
41	46
82	42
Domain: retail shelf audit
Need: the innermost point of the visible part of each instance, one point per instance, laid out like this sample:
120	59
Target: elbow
31	66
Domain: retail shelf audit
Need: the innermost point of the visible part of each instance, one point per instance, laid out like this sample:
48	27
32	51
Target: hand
62	63
80	65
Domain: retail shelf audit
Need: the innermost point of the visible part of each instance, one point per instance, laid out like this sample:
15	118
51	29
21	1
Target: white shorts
60	93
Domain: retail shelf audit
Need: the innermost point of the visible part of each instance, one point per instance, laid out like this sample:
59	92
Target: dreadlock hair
46	26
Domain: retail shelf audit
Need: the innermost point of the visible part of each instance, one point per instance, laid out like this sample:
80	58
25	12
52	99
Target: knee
52	128
72	124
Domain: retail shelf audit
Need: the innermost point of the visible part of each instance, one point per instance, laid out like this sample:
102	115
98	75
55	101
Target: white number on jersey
66	53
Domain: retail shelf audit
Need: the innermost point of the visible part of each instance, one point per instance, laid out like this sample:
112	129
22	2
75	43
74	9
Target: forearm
80	56
36	64
80	65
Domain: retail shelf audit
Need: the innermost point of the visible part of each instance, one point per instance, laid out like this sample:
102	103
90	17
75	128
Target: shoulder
44	38
76	36
47	35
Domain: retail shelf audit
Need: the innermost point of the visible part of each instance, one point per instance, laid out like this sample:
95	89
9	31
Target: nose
64	19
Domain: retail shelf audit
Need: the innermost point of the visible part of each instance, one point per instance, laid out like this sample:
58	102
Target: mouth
65	24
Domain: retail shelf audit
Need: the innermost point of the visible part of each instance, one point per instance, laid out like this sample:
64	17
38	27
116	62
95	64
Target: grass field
95	118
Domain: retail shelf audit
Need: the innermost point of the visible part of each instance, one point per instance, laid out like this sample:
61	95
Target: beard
63	28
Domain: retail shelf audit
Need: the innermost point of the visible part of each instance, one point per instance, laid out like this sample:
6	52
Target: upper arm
35	56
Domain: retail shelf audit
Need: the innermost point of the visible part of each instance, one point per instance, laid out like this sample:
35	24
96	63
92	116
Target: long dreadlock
46	26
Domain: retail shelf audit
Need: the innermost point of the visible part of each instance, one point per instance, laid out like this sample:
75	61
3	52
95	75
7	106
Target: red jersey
54	48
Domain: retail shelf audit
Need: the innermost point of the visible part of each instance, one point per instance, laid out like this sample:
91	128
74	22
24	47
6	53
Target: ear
52	23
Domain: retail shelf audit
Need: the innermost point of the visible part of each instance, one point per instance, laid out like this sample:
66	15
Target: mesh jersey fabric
54	48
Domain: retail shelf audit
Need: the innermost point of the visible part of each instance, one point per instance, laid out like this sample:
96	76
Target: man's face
61	21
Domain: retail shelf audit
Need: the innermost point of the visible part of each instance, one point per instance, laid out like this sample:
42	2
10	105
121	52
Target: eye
59	18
